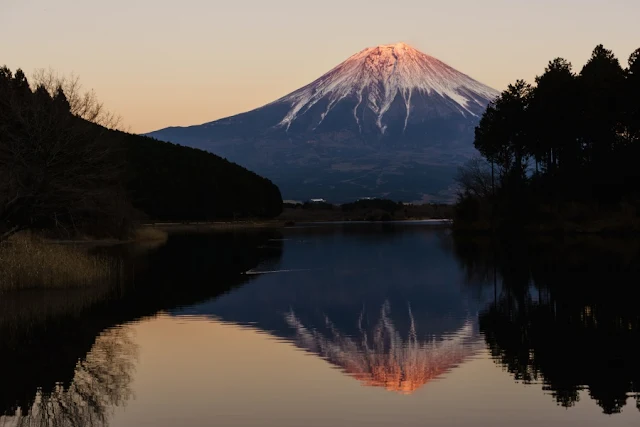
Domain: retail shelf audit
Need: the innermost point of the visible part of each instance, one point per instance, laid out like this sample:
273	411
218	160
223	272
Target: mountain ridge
383	113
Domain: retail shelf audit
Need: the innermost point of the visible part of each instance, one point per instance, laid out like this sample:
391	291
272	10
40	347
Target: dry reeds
28	261
150	234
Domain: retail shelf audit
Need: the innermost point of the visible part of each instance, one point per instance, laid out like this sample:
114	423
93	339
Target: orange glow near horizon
209	372
163	63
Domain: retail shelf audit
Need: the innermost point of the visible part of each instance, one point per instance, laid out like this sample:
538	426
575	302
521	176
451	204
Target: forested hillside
172	182
61	169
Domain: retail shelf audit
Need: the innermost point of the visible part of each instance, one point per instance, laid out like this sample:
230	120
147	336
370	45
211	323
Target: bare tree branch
84	104
474	178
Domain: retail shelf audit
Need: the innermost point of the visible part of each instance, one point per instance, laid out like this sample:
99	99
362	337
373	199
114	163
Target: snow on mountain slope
377	75
389	121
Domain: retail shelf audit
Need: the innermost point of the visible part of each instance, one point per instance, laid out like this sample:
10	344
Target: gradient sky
166	62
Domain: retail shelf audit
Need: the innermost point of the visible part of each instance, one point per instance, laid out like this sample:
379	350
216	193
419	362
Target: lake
334	325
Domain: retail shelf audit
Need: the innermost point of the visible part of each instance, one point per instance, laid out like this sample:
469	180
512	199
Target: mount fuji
390	121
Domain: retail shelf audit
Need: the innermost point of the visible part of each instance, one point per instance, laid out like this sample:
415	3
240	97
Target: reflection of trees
565	315
568	348
100	383
44	334
382	357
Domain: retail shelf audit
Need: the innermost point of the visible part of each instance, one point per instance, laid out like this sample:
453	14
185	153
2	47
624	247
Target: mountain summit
378	77
390	121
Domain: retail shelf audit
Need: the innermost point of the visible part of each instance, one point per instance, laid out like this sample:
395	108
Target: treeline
61	169
385	205
564	148
365	210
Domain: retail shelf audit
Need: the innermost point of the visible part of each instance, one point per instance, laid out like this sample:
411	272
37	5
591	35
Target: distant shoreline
239	225
146	230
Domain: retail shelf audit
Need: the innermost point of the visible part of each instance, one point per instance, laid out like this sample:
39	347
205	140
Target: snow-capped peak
374	77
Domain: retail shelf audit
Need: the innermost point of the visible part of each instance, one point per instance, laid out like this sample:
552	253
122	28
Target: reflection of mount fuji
386	308
382	356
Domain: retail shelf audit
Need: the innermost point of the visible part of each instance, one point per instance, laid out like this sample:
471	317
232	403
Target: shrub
147	234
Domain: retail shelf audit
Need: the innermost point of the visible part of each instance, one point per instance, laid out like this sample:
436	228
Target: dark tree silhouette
56	169
564	151
82	103
61	168
502	135
553	112
632	90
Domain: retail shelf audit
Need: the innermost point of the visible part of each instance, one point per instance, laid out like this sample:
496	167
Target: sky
161	63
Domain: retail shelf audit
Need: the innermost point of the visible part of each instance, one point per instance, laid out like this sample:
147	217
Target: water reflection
101	382
385	304
391	307
381	356
565	315
66	358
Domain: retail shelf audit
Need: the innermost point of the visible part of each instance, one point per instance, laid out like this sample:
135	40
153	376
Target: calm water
342	325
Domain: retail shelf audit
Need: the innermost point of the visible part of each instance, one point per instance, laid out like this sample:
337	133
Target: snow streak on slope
375	77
